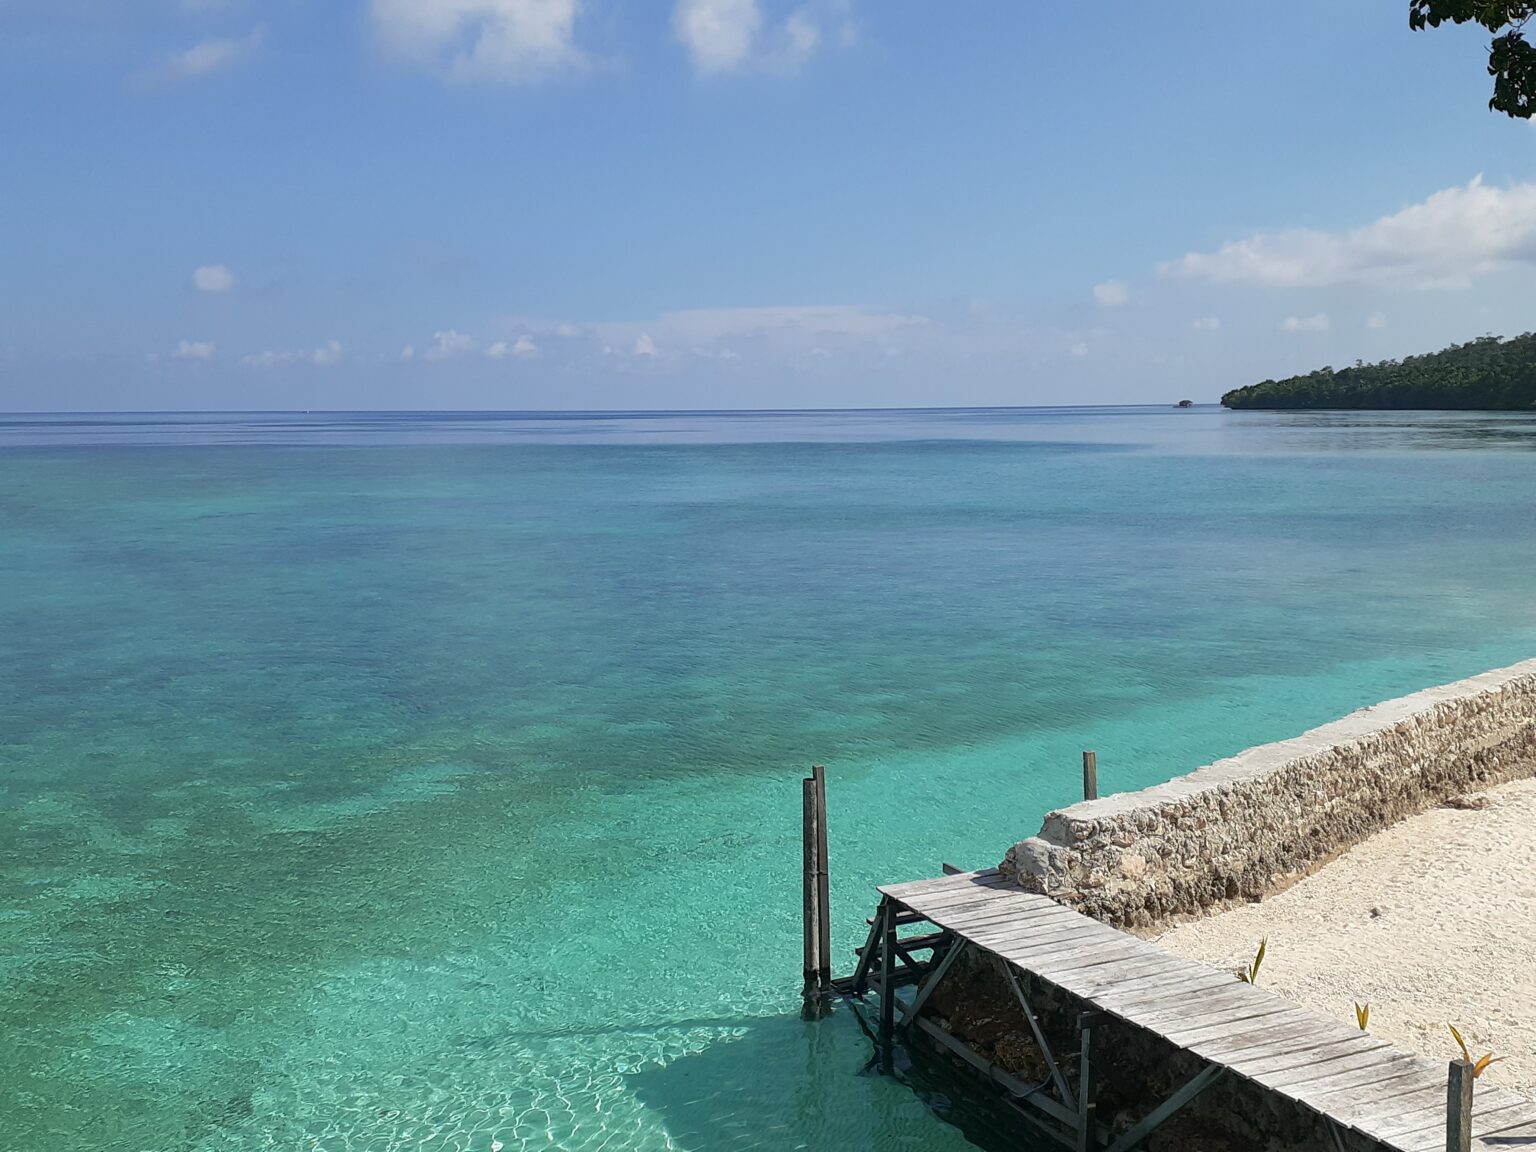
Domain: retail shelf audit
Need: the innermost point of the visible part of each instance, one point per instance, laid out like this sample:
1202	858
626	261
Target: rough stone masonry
1242	827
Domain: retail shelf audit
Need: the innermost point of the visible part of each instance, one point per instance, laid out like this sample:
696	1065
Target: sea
431	781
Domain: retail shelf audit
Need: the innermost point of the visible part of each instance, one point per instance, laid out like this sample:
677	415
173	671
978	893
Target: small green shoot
1362	1015
1251	976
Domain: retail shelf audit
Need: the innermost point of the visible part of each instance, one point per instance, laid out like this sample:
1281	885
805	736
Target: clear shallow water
395	782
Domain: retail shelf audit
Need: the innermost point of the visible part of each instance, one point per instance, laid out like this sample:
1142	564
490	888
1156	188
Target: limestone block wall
1241	827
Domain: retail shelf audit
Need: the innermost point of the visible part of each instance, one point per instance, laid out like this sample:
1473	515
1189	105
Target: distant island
1489	375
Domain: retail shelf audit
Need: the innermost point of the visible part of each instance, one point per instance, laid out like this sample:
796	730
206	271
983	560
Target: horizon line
591	411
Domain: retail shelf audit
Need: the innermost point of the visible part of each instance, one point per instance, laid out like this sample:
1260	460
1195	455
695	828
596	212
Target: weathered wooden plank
1045	946
1019	943
1432	1139
1515	1120
1175	1003
976	918
1233	1024
986	896
1364	1115
1274	1051
1141	973
1406	1120
1303	1049
1151	966
1321	1046
1137	951
955	902
1388	1123
1239	998
939	883
1001	916
1279	1015
1126	1000
1398	1091
1310	1082
1079	967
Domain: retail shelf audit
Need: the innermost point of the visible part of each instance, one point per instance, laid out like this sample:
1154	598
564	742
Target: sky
674	204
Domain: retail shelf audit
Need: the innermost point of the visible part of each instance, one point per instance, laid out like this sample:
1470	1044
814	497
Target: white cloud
1079	349
193	350
728	35
802	35
213	278
1111	294
1376	320
449	343
321	357
206	59
508	41
702	325
756	334
523	347
1442	242
567	330
717	33
1317	323
408	352
1206	324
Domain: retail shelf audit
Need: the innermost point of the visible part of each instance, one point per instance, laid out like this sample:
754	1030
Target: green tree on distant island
1511	58
1486	375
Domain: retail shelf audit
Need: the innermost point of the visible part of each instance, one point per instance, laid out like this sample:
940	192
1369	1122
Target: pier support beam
1154	1119
817	991
888	988
1085	1023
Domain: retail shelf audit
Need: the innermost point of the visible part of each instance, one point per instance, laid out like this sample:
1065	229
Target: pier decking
1355	1081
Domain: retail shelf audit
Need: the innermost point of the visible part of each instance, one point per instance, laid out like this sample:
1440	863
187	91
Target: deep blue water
384	781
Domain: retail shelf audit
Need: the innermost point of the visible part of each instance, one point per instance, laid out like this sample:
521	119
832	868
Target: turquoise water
432	782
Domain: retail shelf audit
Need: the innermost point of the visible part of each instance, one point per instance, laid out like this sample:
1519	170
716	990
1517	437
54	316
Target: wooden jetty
1355	1082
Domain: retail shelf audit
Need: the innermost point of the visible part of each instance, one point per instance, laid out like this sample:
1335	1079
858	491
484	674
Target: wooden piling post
1085	1023
1458	1107
887	988
810	840
817	990
1090	775
823	888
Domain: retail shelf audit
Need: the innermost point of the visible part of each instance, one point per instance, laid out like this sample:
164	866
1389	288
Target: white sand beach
1432	921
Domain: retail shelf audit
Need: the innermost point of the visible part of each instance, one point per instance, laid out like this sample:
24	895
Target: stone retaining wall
1242	827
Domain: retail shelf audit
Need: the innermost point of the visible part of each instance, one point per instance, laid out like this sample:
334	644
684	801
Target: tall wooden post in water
1090	775
817	894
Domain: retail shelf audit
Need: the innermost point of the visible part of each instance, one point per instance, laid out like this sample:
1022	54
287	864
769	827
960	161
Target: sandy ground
1431	921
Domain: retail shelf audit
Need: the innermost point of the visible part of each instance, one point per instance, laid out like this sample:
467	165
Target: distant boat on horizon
1185	404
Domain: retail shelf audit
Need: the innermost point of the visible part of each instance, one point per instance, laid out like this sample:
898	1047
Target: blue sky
515	204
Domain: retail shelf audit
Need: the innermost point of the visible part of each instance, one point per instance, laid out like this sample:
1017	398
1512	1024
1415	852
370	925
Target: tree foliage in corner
1512	58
